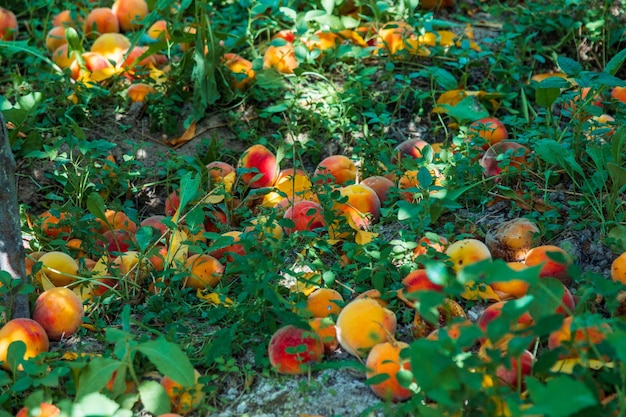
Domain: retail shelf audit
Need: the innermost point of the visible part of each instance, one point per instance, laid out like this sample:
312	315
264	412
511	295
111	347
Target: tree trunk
11	246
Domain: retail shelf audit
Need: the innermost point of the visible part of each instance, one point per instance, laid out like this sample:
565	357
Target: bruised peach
112	46
490	129
362	207
325	329
55	38
130	13
323	302
225	253
416	281
466	252
305	215
385	359
335	169
8	25
411	148
448	311
45	410
261	165
512	239
204	271
513	288
101	20
554	262
26	330
183	399
381	185
290	184
504	156
362	324
291	350
618	269
59	311
58	267
577	338
241	70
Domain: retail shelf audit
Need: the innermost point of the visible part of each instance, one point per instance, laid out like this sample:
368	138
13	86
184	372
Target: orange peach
240	69
577	338
554	262
138	93
58	267
325	329
415	190
101	20
112	46
94	69
290	184
281	57
375	295
513	288
411	148
59	311
381	185
131	265
63	57
618	269
117	220
323	302
512	239
183	399
55	38
452	330
430	242
55	225
26	330
414	282
335	169
8	25
362	207
291	350
385	359
305	215
397	36
448	311
362	324
323	41
503	157
204	271
619	94
227	250
45	410
221	173
130	13
260	165
159	31
466	252
265	226
493	311
67	18
490	129
30	260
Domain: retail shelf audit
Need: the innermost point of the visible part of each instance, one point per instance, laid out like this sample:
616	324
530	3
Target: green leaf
467	110
618	174
143	236
169	360
546	97
561	396
95	404
154	398
616	62
569	66
555	153
407	210
95	205
547	294
555	82
95	375
15	354
189	190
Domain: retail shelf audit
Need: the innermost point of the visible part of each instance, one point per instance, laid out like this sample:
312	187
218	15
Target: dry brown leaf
189	134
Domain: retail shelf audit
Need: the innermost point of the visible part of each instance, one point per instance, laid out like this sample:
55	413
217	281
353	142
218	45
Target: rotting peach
101	20
514	288
504	156
112	46
554	262
466	252
8	25
225	253
448	311
58	267
241	70
577	338
59	311
45	410
618	269
491	129
292	183
512	239
411	148
385	359
363	323
26	330
204	271
381	185
305	215
262	162
183	399
292	350
324	302
414	282
335	169
362	207
55	38
325	329
130	13
139	92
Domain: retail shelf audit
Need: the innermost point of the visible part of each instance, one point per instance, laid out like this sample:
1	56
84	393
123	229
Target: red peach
306	215
416	281
130	13
94	69
491	129
26	330
580	337
139	92
336	169
619	93
67	18
59	311
262	162
411	148
493	161
158	31
226	253
323	302
556	268
292	349
172	202
385	359
429	242
116	241
101	20
381	185
495	310
516	371
221	173
8	25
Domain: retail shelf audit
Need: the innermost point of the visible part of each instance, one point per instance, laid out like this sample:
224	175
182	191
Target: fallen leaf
189	134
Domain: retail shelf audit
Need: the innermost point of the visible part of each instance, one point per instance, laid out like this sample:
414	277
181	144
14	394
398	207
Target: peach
30	260
430	242
294	184
324	302
26	330
62	57
385	359
101	20
221	173
335	169
241	72
291	350
156	222
158	31
452	330
410	181
215	220
375	295
516	371
542	76
227	250
513	288
362	207
97	68
512	239
490	129
55	225
204	271
414	282
130	13
362	324
448	311
466	252
323	41
325	329
45	410
59	311
577	338
264	226
397	36
183	399
131	265
58	267
281	57
305	215
138	93
55	38
261	166
381	185
619	94
554	262
172	202
411	148
8	25
503	156
116	241
495	310
618	269
112	46
67	18
134	66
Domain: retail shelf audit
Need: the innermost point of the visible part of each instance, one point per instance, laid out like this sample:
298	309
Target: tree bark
11	247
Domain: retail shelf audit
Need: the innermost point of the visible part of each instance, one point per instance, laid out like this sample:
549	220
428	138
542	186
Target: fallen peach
362	324
63	57
241	70
410	182
430	242
59	311
448	311
385	359
495	310
262	162
8	25
45	410
96	68
291	350
411	148
362	207
55	225
221	173
513	288
515	372
116	241
490	129
112	46
577	338
290	184
414	282
58	267
26	330
305	215
138	92
466	252
117	220
67	18
101	20
618	269
381	185
504	156
158	31
335	169
225	253
554	262
55	38
204	271
281	57
130	13
513	239
323	302
325	329
183	399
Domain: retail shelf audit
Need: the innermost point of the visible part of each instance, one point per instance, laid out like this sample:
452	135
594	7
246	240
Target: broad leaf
95	375
169	360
